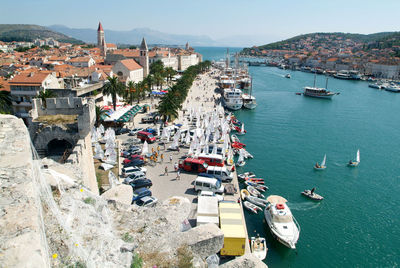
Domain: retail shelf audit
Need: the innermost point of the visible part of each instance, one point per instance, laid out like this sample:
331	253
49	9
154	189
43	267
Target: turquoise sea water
358	223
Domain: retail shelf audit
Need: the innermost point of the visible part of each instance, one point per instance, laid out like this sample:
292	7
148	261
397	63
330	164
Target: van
146	136
212	159
221	173
193	165
208	184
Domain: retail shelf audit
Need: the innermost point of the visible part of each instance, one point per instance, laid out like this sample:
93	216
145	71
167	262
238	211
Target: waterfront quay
205	94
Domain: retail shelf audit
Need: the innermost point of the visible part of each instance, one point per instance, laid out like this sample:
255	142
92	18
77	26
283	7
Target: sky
259	21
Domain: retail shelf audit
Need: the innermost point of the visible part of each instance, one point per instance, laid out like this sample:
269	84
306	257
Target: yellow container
232	225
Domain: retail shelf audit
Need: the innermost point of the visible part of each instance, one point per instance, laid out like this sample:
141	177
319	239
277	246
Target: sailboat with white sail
322	166
241	161
355	163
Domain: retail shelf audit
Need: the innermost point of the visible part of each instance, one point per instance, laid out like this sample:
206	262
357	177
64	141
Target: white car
209	193
147	201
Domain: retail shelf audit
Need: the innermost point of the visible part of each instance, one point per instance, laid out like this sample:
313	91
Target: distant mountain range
30	32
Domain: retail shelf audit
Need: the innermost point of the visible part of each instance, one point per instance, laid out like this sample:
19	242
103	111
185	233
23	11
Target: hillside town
27	68
334	52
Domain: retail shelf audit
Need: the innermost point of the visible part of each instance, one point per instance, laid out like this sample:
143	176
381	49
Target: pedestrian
152	150
162	157
178	149
170	158
156	154
166	171
178	175
158	148
176	167
164	146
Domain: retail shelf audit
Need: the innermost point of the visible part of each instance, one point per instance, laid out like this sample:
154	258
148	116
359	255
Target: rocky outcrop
245	261
121	194
21	231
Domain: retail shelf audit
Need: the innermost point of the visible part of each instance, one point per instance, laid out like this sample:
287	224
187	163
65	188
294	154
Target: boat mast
251	88
326	84
315	77
227	58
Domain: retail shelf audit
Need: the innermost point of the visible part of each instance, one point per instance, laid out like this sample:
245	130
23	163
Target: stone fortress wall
77	134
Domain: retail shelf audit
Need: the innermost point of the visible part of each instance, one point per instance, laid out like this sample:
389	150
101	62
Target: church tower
144	57
101	41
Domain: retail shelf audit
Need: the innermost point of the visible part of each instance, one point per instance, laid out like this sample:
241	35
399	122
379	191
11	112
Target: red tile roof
131	64
5	84
29	78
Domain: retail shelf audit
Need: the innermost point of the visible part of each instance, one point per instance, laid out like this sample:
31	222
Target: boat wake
303	206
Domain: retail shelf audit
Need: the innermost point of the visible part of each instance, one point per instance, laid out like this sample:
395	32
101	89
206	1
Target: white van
208	184
221	173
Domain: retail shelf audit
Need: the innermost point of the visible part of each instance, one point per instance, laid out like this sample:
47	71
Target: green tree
169	73
130	92
5	102
46	94
157	67
159	80
100	114
113	87
149	81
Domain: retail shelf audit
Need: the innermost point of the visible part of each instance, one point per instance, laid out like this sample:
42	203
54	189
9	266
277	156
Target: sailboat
322	166
249	101
355	163
240	131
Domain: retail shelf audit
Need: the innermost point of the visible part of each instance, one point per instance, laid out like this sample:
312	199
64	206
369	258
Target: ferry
348	75
316	92
232	98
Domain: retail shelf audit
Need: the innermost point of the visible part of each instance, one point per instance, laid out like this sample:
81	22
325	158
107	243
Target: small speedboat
259	247
322	166
244	193
254	192
257	201
312	196
246	175
250	206
287	76
255	180
259	187
355	163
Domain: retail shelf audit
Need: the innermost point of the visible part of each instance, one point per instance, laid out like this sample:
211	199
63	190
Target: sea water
358	222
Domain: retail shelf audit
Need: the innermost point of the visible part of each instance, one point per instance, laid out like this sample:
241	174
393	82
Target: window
207	185
198	183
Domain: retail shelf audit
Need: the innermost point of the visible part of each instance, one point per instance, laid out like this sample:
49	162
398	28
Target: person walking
178	175
162	158
170	158
176	167
166	171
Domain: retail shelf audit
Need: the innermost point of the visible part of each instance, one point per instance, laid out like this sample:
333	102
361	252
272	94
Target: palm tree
149	81
100	114
168	107
131	92
46	94
159	79
169	72
113	87
5	102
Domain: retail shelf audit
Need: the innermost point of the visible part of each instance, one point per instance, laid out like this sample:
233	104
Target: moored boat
250	206
249	101
232	98
259	187
393	88
254	192
256	201
246	175
244	193
258	247
281	222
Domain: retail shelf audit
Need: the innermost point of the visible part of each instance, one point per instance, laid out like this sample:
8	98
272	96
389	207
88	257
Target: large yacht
232	98
280	220
249	101
226	81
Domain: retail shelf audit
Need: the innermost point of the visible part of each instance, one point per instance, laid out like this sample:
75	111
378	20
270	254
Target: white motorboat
355	163
254	192
232	98
249	101
259	247
393	88
246	175
259	187
256	201
287	76
312	196
322	166
281	222
250	206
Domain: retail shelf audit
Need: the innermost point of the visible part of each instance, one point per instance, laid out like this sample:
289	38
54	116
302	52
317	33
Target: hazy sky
260	19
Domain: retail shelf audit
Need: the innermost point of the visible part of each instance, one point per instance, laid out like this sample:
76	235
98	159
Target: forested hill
30	32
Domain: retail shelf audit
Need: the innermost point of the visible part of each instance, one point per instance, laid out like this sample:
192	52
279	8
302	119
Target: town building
128	70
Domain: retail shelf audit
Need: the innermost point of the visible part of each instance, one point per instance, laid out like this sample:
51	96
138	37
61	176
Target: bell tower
101	41
144	57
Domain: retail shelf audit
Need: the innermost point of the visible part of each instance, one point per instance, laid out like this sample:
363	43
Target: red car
146	136
193	165
132	157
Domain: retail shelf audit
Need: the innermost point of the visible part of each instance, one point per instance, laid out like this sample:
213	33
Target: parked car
208	184
128	153
129	170
193	165
147	201
133	163
148	119
134	131
140	183
210	193
151	130
221	173
132	158
146	136
139	193
120	131
138	175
